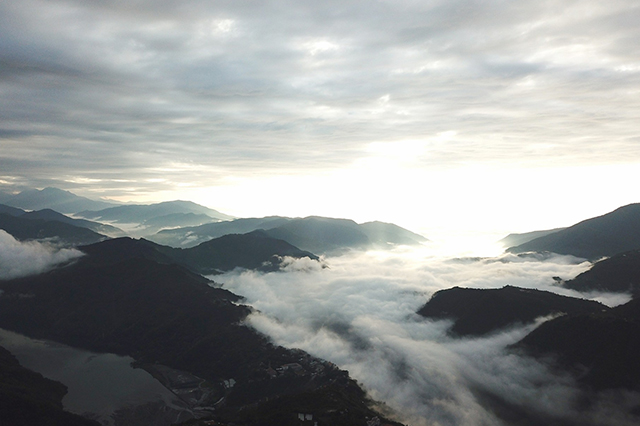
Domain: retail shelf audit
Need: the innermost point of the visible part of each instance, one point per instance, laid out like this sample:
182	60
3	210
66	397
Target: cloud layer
19	259
359	312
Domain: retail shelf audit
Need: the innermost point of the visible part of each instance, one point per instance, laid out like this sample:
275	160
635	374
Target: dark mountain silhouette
192	236
27	398
118	299
138	213
5	196
607	235
601	350
11	211
50	215
630	310
512	240
254	250
120	249
58	232
54	198
618	274
480	311
600	346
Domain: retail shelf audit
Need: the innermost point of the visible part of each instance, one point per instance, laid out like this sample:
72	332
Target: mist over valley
378	322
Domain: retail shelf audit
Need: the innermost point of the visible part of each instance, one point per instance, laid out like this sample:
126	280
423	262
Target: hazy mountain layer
174	220
314	234
606	235
192	236
138	213
321	235
53	198
50	215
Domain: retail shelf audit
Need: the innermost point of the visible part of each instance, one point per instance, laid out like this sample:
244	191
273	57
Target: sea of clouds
358	311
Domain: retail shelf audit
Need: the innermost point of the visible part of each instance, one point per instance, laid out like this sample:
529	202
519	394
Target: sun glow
462	210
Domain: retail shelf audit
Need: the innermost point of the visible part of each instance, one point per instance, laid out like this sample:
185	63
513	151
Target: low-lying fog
358	311
20	258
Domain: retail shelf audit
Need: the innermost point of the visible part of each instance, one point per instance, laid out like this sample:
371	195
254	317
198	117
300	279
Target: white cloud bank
19	259
359	313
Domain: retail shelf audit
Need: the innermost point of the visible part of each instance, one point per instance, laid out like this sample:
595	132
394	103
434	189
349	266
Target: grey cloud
241	87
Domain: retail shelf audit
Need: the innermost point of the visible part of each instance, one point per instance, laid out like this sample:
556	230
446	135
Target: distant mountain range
149	218
254	250
52	198
191	236
315	234
184	224
49	224
607	235
49	215
172	213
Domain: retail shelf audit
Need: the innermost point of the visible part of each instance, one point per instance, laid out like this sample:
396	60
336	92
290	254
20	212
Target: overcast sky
438	115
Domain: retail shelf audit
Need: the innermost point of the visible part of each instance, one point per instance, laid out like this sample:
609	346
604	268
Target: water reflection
101	384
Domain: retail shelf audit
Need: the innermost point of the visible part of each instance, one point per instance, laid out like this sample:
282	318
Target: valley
248	328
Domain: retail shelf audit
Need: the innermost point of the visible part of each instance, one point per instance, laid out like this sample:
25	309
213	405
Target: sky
446	117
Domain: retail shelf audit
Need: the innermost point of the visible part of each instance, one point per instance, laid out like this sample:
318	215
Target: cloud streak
359	313
20	259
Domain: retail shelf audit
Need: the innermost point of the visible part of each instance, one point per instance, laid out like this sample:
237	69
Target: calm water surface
97	383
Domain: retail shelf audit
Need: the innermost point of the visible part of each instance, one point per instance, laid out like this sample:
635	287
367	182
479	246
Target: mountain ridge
53	198
127	303
476	312
315	234
38	229
602	236
616	274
